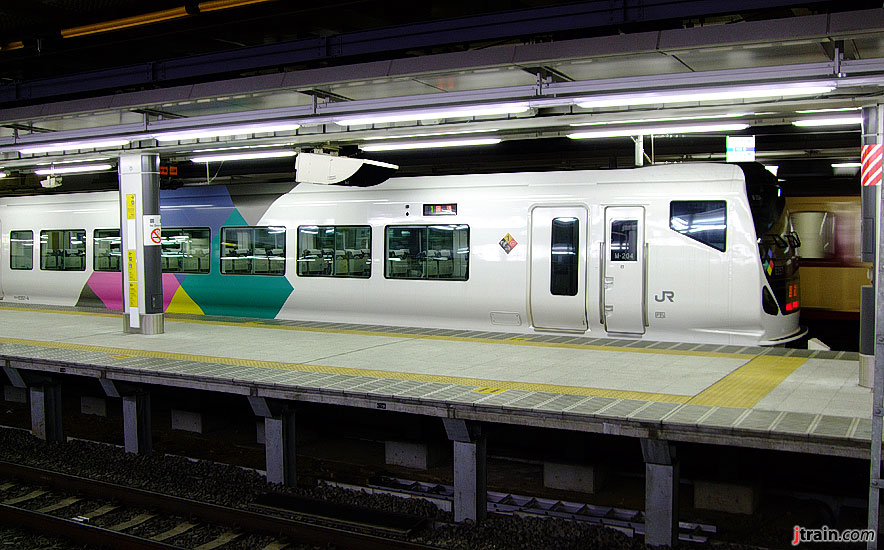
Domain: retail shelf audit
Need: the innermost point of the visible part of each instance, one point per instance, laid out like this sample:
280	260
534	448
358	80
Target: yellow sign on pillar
132	266
133	294
130	206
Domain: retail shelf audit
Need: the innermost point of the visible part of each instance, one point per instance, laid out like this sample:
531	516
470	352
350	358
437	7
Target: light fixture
831	121
223	131
243	147
655	120
697	95
659	130
3	175
831	110
432	114
73	146
244	156
432	134
846	165
73	169
429	144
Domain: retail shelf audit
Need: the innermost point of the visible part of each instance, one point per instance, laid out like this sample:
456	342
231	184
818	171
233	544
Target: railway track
114	516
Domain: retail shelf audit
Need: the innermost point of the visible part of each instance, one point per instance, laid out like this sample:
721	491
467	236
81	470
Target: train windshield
777	243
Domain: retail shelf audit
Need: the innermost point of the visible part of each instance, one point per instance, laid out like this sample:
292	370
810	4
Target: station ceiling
80	70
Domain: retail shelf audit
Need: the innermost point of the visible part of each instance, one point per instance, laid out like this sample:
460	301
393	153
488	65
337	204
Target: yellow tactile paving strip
746	386
743	388
516	341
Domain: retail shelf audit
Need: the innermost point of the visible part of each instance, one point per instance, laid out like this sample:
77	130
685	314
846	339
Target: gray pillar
279	448
136	423
470	484
46	412
661	492
140	233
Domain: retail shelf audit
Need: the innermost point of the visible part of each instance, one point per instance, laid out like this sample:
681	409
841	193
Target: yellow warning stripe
746	386
515	341
113	352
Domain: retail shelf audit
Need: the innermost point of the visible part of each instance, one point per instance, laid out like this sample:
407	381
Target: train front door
624	270
558	268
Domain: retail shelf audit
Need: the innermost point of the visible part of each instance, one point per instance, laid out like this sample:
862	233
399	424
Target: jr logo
665	295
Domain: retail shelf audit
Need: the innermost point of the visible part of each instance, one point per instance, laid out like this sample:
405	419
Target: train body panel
595	253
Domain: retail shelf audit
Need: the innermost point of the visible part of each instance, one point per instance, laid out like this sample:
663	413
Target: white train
672	253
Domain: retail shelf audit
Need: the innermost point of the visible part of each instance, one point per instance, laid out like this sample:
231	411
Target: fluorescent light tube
226	131
244	156
659	130
834	121
3	175
73	169
429	144
449	112
832	110
691	96
74	145
433	134
655	120
846	165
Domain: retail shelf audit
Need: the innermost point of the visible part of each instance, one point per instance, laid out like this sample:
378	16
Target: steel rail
300	531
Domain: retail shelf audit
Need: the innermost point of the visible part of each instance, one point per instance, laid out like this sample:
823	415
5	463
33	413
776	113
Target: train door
558	268
1	269
624	269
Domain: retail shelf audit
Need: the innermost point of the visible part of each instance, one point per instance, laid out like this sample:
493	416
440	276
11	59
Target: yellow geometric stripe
372	373
515	341
746	386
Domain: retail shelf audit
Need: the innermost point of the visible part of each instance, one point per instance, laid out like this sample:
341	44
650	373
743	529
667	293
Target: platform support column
470	486
136	423
661	492
873	133
46	412
279	440
141	234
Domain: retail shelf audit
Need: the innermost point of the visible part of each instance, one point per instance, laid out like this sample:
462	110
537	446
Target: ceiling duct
333	170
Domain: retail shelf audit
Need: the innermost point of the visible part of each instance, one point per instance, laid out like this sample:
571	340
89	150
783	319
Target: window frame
569	267
694	237
426	227
95	251
64	256
31	265
333	275
251	258
208	255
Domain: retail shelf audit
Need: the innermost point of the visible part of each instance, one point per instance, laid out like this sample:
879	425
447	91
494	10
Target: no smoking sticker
153	231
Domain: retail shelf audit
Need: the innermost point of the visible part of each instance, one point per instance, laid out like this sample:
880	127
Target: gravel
238	487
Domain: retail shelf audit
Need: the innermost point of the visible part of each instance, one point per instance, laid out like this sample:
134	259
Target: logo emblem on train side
665	295
508	243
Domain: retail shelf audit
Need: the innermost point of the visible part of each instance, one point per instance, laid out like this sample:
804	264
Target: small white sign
740	149
153	230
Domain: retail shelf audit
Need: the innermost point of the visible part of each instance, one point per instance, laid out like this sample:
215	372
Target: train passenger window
563	260
334	251
21	249
106	250
624	240
253	250
185	250
428	252
63	250
704	221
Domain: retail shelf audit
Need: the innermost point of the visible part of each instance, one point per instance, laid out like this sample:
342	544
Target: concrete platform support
279	448
661	492
470	485
187	421
136	423
279	439
46	412
408	455
15	395
573	477
725	497
95	406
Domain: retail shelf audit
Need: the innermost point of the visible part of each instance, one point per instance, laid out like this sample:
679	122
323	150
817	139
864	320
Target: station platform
770	398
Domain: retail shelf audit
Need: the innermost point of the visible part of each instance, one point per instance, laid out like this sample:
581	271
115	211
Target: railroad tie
276	545
98	512
222	539
137	520
24	498
7	486
59	505
175	531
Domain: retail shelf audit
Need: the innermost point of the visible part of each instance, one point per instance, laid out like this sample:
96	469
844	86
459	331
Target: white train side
672	253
